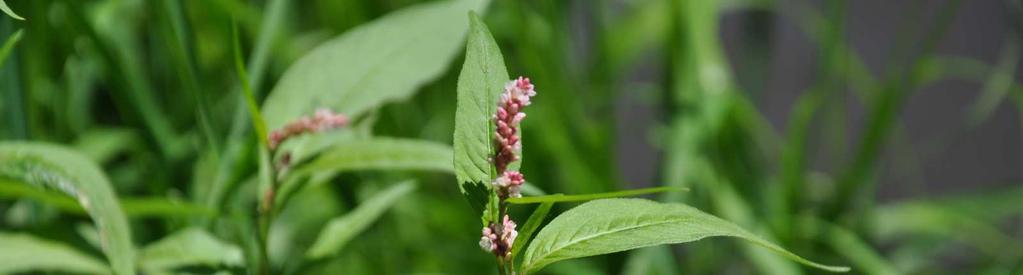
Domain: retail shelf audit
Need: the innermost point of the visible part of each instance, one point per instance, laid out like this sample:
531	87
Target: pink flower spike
509	116
322	120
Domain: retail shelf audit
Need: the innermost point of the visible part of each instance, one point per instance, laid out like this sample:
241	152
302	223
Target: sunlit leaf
480	82
8	11
60	168
25	253
382	61
340	230
613	225
189	247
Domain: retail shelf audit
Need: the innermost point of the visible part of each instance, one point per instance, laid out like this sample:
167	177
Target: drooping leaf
25	253
8	11
60	168
613	225
340	230
377	62
189	247
479	84
588	197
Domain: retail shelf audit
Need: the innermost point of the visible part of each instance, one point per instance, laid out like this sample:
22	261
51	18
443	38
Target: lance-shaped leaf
189	247
56	167
613	225
479	84
24	253
385	60
340	230
381	154
371	154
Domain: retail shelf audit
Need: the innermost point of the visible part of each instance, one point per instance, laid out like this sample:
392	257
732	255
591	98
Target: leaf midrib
576	241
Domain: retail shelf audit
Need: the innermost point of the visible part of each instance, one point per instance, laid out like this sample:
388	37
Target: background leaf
68	171
340	230
133	207
8	45
24	253
612	225
381	154
480	82
371	154
189	247
8	11
380	61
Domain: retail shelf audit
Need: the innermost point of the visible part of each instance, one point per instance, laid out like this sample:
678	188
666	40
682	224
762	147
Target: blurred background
884	135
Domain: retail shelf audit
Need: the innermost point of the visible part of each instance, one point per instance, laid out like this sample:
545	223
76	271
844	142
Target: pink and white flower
516	96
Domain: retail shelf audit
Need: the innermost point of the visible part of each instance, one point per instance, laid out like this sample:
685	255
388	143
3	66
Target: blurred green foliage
150	91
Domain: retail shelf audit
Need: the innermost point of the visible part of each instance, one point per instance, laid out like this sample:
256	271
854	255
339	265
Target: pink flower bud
509	116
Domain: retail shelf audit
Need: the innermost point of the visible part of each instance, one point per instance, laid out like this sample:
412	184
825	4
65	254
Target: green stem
264	255
500	266
265	208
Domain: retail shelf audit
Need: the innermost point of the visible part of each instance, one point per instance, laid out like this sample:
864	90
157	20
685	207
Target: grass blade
250	98
8	46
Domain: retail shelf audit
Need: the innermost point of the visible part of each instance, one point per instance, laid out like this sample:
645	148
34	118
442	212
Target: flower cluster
509	115
323	120
500	241
498	238
509	183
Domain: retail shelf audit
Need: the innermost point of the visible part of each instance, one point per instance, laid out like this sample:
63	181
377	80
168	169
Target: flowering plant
488	131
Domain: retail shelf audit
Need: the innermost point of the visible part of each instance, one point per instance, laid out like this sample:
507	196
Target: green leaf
479	84
24	253
589	197
60	168
250	99
370	154
340	230
613	225
380	154
134	207
8	46
534	221
189	247
377	62
8	11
